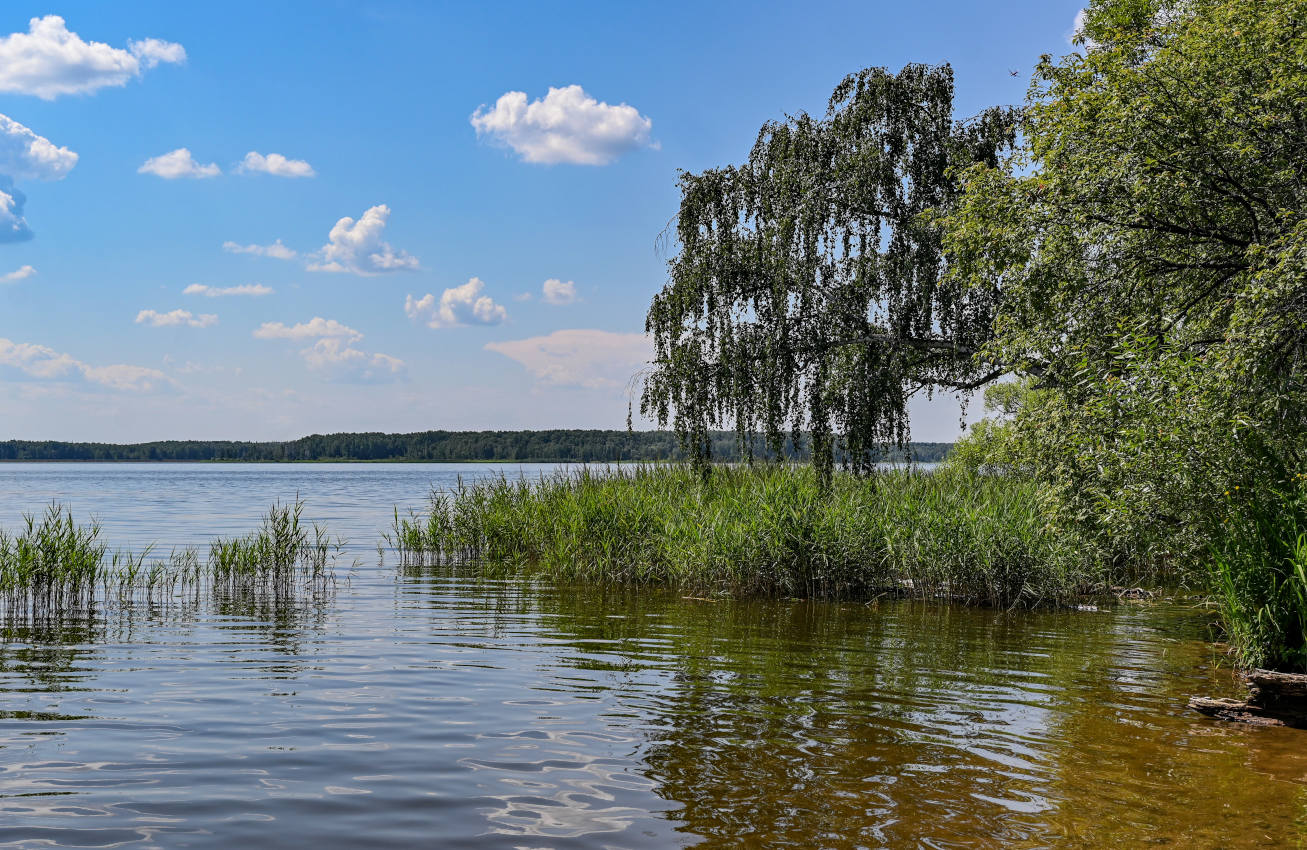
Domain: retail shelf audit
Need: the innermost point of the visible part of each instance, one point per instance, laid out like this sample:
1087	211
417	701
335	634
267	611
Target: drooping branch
806	294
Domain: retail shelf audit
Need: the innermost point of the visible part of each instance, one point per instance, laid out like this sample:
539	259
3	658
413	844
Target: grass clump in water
56	561
282	549
54	556
766	530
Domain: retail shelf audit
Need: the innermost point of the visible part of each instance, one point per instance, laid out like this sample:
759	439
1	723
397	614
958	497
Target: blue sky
463	257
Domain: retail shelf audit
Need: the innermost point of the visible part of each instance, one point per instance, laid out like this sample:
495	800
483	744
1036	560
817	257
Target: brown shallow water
432	708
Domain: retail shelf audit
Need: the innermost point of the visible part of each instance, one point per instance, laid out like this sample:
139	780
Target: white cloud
123	377
275	164
332	352
48	60
558	292
316	327
343	363
153	51
26	361
458	305
582	358
178	163
175	319
22	273
26	156
568	125
13	224
276	250
253	289
357	246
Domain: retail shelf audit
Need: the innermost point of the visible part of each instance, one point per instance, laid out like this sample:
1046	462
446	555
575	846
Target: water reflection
810	724
439	707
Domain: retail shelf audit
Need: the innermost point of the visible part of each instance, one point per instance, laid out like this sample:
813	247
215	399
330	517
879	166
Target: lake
436	707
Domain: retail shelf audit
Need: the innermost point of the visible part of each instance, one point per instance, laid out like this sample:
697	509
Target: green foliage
1260	576
806	291
1150	240
1148	237
762	530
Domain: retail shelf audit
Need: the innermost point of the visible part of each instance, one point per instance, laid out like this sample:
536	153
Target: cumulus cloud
25	361
252	289
342	362
333	353
276	250
175	319
48	60
458	305
21	273
357	247
580	358
274	164
568	125
315	327
26	156
13	224
153	51
558	292
178	163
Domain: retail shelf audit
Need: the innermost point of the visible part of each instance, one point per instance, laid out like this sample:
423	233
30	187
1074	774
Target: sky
263	220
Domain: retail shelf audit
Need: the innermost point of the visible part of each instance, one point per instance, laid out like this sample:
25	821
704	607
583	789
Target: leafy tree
807	293
1149	241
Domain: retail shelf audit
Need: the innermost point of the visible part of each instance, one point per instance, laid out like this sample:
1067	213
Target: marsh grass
761	530
1259	576
53	562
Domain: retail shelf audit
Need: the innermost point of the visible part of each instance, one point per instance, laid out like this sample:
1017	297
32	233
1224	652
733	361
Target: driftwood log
1275	699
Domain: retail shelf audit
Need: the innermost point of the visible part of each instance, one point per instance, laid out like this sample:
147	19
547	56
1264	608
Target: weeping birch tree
806	291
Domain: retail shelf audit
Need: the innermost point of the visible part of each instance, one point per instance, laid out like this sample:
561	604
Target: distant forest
426	446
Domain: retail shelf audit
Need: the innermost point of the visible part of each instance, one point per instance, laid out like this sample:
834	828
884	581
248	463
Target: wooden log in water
1277	699
1240	712
1268	686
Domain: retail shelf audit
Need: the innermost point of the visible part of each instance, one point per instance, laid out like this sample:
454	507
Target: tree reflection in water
805	724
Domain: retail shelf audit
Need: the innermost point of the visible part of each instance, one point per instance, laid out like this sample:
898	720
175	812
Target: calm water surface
434	708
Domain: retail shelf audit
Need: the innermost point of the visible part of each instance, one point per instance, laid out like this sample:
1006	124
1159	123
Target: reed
763	530
55	562
1259	575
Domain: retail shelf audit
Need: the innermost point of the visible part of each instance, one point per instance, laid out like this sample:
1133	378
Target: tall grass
1259	576
282	549
54	561
769	529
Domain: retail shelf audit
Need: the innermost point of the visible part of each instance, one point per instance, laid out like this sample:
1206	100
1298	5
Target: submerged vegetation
766	529
54	561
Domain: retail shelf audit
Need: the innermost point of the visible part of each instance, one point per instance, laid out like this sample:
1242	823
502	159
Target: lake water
434	708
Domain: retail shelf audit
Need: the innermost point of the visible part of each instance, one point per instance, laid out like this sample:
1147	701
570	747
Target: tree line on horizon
437	446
